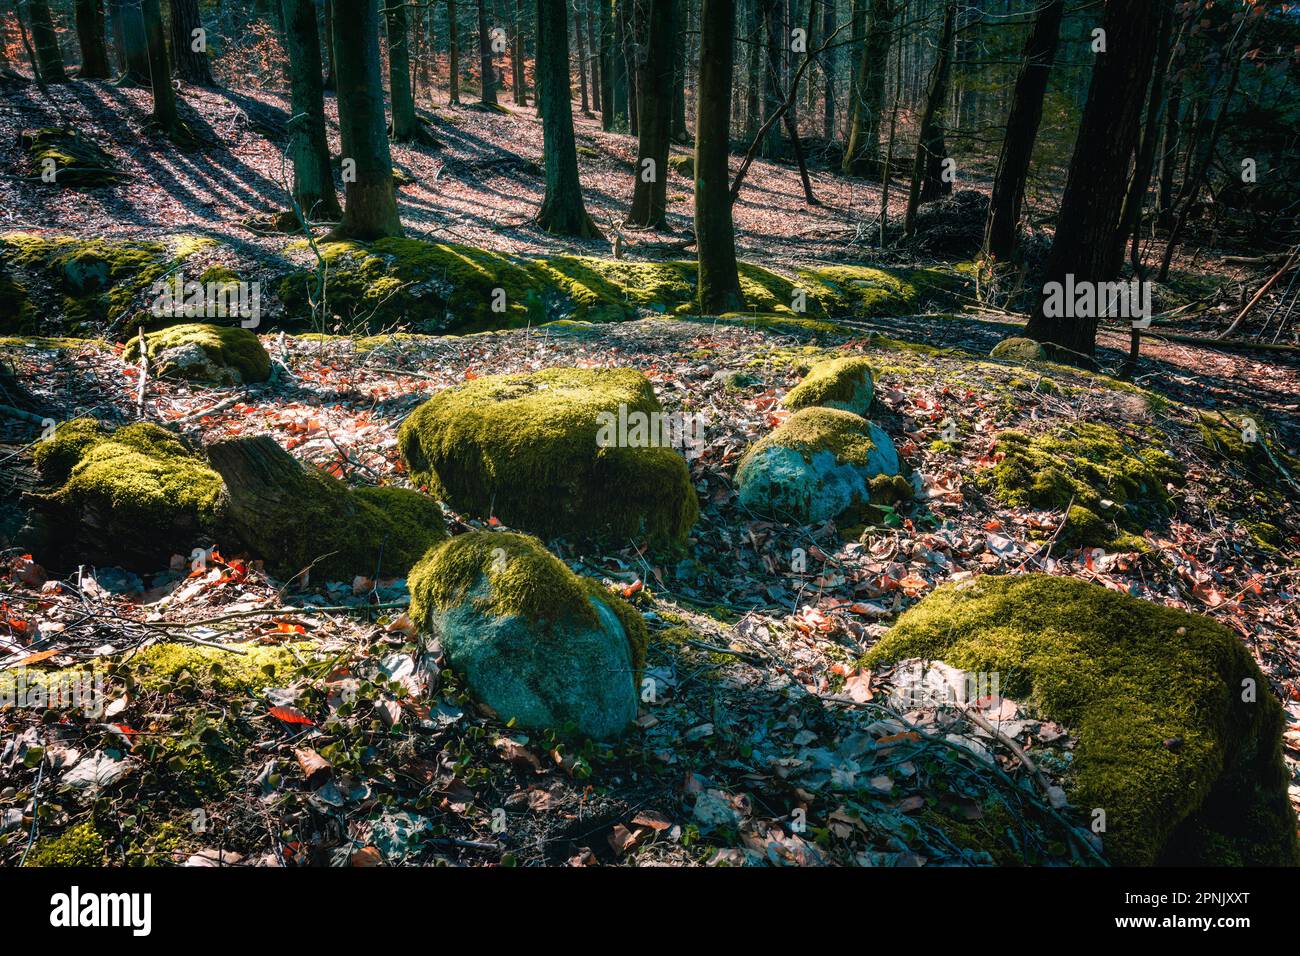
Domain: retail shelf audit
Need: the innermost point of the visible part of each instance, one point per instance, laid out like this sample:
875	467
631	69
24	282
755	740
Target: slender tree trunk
329	45
90	38
829	65
405	127
650	195
774	34
1087	227
370	206
517	74
617	100
164	96
453	56
862	155
191	64
930	147
754	70
563	211
679	134
628	22
487	71
1003	224
1169	156
49	59
582	59
597	66
715	240
313	179
135	48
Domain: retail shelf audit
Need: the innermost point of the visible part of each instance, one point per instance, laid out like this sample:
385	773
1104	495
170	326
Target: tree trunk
49	59
453	56
774	35
90	38
487	72
679	132
134	47
370	207
1087	227
585	101
628	21
406	127
329	45
597	67
191	64
616	103
1002	228
519	77
829	59
862	154
563	211
718	288
930	147
650	195
164	96
313	180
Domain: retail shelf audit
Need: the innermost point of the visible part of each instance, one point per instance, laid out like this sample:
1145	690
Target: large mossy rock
527	450
295	517
533	641
130	498
77	160
1112	485
199	352
817	465
1019	349
1179	735
843	383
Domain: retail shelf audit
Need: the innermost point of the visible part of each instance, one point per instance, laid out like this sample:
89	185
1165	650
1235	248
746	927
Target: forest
692	433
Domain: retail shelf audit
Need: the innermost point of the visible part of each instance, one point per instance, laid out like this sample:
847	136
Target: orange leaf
291	715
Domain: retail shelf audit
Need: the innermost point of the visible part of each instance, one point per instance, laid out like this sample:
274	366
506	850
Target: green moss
890	489
1265	535
864	291
56	455
683	165
843	383
160	668
815	429
526	449
78	161
229	348
1093	469
80	845
96	281
15	307
1246	437
1019	349
525	580
1170	745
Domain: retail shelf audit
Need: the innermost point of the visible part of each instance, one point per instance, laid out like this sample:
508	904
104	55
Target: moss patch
844	383
159	668
1113	486
1018	349
80	845
230	349
1186	768
811	430
77	160
526	449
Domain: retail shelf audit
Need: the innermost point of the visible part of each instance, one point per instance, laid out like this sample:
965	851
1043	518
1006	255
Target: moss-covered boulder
863	291
198	352
843	383
683	165
537	452
533	641
73	159
296	517
1112	485
1179	735
130	498
1019	349
817	465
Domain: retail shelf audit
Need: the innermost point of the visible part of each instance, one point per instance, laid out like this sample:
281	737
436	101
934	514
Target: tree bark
487	72
49	59
627	41
90	38
1003	224
718	288
563	211
134	46
1087	227
930	146
829	63
406	126
191	65
313	179
774	35
611	31
862	154
582	59
370	206
650	195
329	45
453	56
164	96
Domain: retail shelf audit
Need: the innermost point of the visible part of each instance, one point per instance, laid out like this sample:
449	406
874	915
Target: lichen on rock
843	383
817	465
535	642
198	352
1179	734
527	450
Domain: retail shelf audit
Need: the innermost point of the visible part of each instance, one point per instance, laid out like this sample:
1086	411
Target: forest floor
768	742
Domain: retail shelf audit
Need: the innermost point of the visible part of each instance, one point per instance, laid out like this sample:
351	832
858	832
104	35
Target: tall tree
679	132
582	59
90	38
189	55
862	154
133	47
828	70
370	206
563	211
313	180
615	97
329	44
160	76
593	45
629	22
518	85
650	195
1087	227
406	126
49	59
1003	222
718	283
453	56
487	72
930	149
774	36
